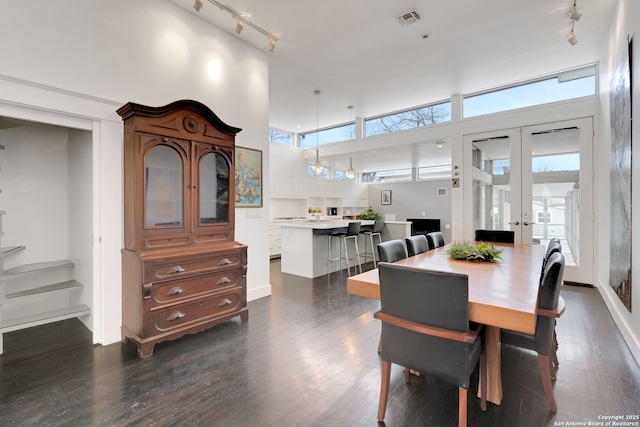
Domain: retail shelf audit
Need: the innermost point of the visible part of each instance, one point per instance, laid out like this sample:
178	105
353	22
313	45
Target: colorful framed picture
385	197
248	177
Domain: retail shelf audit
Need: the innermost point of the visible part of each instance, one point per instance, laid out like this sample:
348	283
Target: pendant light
351	172
317	167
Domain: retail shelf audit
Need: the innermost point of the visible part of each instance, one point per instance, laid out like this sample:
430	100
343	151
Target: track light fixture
573	13
317	167
241	22
239	27
572	37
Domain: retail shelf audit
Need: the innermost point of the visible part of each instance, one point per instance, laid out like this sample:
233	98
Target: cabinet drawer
185	289
173	268
165	319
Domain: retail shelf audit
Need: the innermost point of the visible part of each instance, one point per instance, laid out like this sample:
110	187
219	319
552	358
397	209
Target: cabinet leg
145	350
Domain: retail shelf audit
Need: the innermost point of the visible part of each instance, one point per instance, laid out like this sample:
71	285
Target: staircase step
11	249
69	284
19	323
23	270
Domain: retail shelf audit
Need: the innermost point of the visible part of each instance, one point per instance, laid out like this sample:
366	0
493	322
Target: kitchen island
305	245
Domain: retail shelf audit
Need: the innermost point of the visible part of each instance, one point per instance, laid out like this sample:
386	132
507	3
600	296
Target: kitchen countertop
323	224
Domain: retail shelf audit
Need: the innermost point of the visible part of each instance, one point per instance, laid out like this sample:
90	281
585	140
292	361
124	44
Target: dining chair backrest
553	246
497	236
392	251
435	239
432	298
548	297
417	244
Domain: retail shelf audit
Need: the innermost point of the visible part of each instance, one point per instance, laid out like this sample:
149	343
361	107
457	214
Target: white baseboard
259	292
621	317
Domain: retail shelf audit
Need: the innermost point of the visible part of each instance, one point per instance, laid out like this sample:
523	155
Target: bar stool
376	231
353	231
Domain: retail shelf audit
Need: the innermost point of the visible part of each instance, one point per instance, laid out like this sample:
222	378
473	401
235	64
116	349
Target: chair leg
380	343
554	348
462	407
483	378
545	375
407	375
384	389
346	255
357	256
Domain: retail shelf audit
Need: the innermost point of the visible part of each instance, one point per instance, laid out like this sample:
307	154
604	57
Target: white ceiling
358	54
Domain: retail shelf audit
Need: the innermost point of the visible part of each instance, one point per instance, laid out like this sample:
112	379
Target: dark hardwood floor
307	357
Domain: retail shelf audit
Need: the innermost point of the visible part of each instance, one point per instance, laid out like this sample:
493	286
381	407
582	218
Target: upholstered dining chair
553	246
392	251
496	236
417	244
435	239
542	341
425	327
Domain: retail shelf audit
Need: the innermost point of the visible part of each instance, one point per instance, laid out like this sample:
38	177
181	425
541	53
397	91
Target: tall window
434	172
409	119
562	86
328	135
280	137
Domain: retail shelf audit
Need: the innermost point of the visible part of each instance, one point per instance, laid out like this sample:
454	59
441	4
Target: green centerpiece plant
370	214
482	252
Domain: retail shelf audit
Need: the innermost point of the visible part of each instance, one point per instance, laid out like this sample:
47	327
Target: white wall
74	61
80	219
410	199
626	22
36	209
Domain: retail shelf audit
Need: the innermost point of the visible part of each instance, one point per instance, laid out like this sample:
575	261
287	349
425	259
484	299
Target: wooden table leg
494	378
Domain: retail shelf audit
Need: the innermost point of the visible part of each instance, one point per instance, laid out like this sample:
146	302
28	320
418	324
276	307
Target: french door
536	181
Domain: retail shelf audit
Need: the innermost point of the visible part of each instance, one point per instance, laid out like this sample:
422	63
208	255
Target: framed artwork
385	197
248	177
621	178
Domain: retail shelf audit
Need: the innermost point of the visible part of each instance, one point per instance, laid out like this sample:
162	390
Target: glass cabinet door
214	189
163	187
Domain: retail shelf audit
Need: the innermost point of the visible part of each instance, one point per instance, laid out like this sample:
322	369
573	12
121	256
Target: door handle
525	223
515	223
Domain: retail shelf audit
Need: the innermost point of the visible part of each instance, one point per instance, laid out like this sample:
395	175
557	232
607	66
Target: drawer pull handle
224	302
175	291
223	281
177	269
225	261
175	316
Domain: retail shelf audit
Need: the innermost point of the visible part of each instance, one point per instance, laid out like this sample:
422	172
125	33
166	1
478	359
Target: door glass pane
163	187
491	184
214	189
555	158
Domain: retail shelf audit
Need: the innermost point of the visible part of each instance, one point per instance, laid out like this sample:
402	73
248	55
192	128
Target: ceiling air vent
409	17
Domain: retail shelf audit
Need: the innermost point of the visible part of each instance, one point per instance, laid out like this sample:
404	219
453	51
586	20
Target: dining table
502	294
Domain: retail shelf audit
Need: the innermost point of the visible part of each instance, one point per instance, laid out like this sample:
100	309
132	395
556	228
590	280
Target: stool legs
346	253
373	252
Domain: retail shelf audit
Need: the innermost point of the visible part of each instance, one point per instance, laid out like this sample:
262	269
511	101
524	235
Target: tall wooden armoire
182	270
